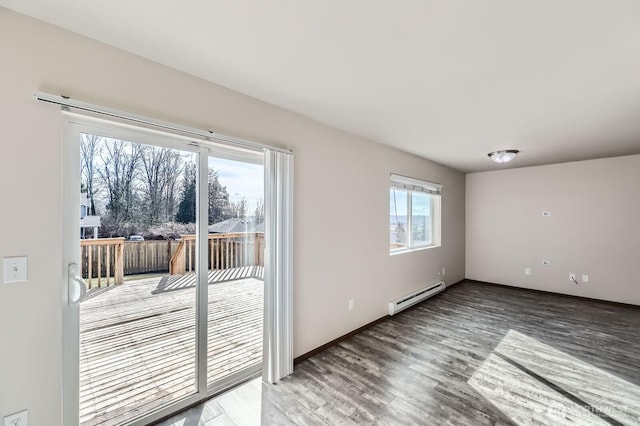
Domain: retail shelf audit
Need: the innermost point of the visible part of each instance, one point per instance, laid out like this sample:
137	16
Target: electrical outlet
527	271
585	278
17	419
352	304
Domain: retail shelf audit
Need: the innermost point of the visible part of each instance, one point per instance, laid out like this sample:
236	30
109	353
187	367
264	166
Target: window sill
410	250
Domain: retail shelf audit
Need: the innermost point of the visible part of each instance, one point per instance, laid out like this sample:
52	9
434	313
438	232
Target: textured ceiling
446	80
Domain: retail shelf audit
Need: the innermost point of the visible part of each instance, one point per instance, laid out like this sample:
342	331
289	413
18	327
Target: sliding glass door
163	281
235	259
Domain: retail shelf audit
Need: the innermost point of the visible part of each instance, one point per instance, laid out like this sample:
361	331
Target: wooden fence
225	251
106	261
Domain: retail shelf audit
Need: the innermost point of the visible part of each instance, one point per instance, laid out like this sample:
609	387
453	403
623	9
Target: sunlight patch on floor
239	406
533	383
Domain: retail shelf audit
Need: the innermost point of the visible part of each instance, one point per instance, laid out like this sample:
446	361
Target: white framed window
414	214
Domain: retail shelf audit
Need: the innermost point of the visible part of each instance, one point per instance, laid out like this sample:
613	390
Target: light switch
15	269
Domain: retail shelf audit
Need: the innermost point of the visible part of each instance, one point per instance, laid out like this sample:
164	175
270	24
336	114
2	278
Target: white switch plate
585	278
15	269
17	419
527	271
352	304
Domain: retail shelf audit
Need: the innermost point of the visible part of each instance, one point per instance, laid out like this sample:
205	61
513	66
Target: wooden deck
137	341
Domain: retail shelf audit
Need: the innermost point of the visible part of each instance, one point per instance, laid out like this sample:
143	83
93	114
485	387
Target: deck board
137	341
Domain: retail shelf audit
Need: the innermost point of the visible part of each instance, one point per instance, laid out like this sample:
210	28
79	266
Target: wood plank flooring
137	344
474	355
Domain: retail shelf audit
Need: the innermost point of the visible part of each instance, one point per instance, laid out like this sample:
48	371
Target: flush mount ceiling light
503	156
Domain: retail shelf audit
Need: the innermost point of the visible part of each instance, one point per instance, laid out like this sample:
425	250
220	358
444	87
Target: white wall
593	228
341	199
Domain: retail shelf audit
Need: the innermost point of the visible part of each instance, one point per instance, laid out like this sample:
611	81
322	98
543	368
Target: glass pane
236	267
138	322
397	219
421	233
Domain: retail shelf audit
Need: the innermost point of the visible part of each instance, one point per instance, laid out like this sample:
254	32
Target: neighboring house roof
90	222
234	225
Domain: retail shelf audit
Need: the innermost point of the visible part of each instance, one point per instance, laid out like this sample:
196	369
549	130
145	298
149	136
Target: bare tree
173	170
89	149
239	208
143	187
259	212
119	171
161	168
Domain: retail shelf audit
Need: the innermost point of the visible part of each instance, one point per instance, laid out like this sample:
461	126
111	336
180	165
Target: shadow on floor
181	282
95	292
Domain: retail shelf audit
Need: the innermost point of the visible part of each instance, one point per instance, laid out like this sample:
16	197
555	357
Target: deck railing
102	261
106	261
141	257
225	251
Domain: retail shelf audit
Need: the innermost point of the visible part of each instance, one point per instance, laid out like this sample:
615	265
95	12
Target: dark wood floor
476	354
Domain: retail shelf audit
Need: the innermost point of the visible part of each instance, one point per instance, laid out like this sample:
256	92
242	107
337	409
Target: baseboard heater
404	302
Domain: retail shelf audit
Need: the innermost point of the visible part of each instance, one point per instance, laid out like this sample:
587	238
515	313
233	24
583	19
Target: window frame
412	186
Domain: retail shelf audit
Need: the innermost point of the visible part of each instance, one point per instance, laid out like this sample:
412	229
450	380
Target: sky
420	203
241	179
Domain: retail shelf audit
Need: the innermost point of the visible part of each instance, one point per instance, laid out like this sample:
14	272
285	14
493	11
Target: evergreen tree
219	207
187	206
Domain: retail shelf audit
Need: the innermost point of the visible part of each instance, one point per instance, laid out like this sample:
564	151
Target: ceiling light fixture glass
503	156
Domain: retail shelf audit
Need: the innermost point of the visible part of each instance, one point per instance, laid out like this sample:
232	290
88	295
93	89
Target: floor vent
404	302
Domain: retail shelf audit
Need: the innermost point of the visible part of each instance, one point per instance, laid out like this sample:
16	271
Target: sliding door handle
77	287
